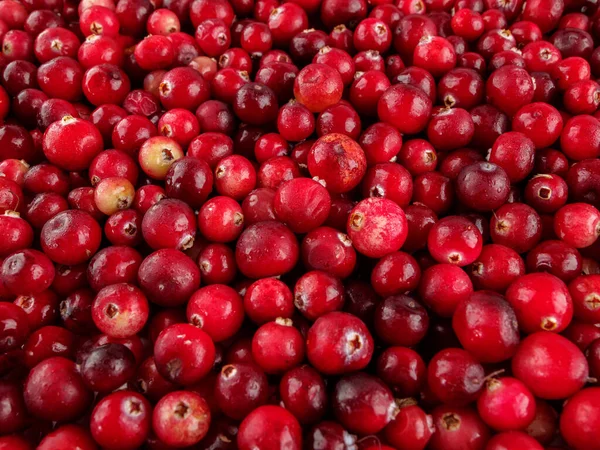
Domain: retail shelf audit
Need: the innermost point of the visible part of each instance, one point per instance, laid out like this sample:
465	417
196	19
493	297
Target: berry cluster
299	224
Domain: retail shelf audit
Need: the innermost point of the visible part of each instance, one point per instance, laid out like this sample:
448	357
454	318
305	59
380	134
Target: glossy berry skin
443	286
71	143
71	237
318	86
458	427
168	277
338	343
388	180
73	434
267	426
577	224
240	388
373	218
55	391
258	256
585	295
329	250
580	137
395	273
517	226
513	439
579	418
108	367
405	107
277	346
27	272
120	310
496	268
509	88
14	327
169	223
121	420
184	354
483	186
506	404
338	161
403	370
401	312
267	299
302	203
487	327
235	177
329	435
181	418
541	302
304	394
455	240
455	377
550	365
221	219
217	310
363	403
411	428
317	293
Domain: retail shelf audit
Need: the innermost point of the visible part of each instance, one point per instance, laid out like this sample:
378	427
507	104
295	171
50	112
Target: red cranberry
373	218
181	418
338	343
363	403
72	143
55	391
455	377
27	271
517	226
318	86
217	310
443	286
458	427
184	354
169	223
405	107
498	408
266	426
550	366
240	388
71	237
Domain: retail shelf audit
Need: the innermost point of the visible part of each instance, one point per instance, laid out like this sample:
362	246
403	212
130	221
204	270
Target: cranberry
71	434
550	366
363	403
373	218
123	416
71	237
266	426
517	226
72	143
577	224
578	428
411	427
181	418
219	322
240	388
497	407
120	310
405	107
184	354
27	271
108	367
457	426
55	391
173	215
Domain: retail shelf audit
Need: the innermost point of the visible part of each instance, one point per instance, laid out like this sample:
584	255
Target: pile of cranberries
300	224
